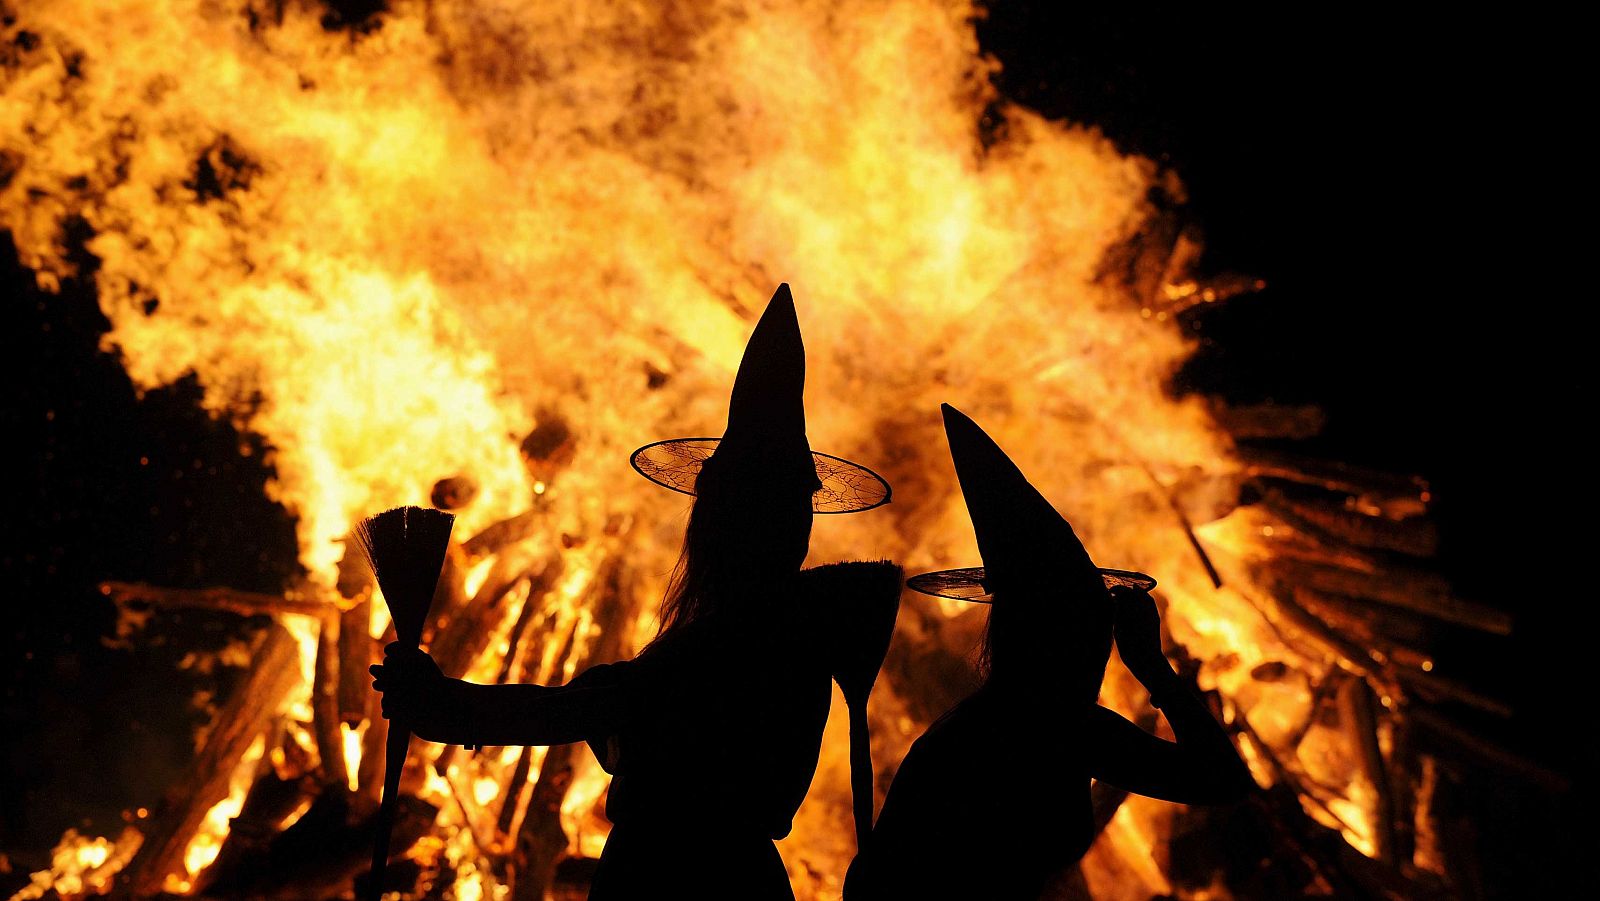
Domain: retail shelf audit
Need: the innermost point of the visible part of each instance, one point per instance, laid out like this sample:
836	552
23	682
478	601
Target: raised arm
452	711
1201	767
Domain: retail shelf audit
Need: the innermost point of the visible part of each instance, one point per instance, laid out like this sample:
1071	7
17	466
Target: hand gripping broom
406	547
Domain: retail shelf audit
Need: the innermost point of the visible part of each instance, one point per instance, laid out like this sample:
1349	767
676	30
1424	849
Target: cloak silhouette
993	799
712	732
765	445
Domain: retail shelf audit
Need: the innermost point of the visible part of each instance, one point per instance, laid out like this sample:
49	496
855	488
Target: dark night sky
1369	167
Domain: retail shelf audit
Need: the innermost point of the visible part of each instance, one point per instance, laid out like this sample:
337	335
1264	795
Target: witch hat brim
971	583
766	427
1019	532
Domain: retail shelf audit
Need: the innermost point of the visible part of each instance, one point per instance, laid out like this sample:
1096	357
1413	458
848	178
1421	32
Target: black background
1378	172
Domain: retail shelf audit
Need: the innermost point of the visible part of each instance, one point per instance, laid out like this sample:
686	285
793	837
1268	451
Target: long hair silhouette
733	543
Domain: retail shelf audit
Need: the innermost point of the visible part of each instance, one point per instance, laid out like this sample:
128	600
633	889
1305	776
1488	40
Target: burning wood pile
548	231
1355	768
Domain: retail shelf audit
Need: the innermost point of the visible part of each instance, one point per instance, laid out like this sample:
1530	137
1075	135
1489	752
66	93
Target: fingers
403	679
394	650
402	661
396	700
1131	602
385	681
394	708
1130	594
391	675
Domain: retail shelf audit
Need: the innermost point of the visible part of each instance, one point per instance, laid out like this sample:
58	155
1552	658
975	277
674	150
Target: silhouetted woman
712	732
993	799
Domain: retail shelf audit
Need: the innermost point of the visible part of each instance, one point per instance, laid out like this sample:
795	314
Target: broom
406	548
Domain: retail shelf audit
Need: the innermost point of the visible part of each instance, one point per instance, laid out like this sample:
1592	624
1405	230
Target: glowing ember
81	865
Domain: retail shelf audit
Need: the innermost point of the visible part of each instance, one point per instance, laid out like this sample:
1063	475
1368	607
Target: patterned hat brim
846	487
968	584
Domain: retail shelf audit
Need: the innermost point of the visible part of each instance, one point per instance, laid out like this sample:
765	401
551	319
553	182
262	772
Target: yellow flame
352	737
587	832
207	842
484	790
304	629
294	815
81	865
468	885
383	253
476	574
378	616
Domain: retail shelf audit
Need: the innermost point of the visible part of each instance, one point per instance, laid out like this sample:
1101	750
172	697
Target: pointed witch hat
766	432
1019	532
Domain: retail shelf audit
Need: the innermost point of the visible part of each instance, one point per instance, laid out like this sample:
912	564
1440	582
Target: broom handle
860	772
394	762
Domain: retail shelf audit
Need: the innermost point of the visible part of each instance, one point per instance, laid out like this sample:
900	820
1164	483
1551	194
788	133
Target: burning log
467	633
1385	663
1374	490
508	821
355	655
541	841
1358	715
513	668
244	603
1407	634
369	775
1277	421
1283	608
466	636
1456	741
1335	519
478	821
519	629
1322	850
254	704
1403	786
1415	590
325	699
450	593
1439	689
501	535
272	801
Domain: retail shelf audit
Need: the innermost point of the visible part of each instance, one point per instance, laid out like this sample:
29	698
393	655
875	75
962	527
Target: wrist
435	702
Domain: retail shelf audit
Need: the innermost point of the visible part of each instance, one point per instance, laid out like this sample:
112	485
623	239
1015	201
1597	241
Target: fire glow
386	252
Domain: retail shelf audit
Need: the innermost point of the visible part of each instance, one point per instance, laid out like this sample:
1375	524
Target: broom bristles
406	548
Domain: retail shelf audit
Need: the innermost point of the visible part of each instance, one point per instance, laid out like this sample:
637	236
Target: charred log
244	603
245	718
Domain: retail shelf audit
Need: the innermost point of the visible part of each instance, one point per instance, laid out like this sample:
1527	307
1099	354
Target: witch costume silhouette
712	732
993	799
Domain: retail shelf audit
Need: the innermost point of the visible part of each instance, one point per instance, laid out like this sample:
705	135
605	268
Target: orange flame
384	252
